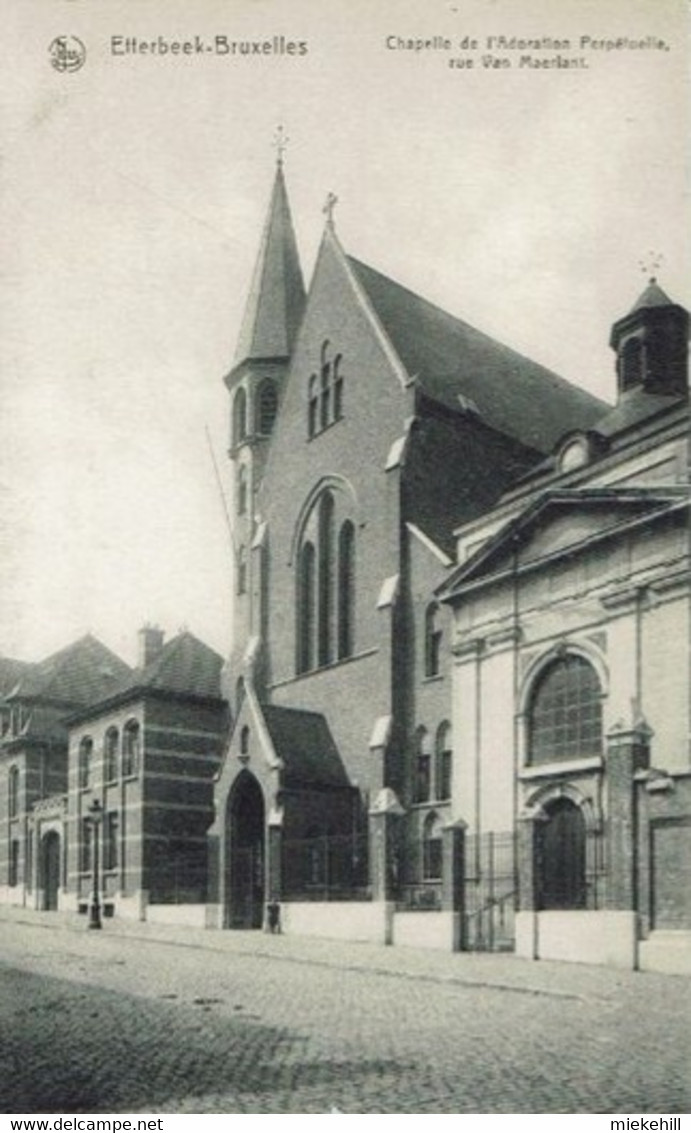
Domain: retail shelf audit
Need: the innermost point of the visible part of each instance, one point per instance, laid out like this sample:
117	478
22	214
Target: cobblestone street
145	1019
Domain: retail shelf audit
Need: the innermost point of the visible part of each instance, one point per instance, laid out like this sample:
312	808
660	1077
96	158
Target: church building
366	425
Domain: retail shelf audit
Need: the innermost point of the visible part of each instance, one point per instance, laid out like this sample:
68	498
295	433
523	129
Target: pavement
144	1018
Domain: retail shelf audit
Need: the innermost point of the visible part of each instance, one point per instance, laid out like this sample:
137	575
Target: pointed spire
653	296
277	294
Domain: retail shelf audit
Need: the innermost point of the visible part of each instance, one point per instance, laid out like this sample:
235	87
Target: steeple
651	344
277	294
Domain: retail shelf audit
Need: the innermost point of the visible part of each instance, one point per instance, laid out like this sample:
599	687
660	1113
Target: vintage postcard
344	559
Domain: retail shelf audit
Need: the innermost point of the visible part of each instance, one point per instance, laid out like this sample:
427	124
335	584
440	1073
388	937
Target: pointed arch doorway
50	869
245	828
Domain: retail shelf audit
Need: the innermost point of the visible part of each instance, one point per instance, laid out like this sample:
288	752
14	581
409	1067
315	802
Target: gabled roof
503	551
461	367
185	666
11	673
277	294
80	674
303	741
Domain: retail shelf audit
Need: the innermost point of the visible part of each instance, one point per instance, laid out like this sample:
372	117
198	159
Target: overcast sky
133	196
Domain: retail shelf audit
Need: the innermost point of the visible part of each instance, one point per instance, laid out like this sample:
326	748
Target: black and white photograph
345	560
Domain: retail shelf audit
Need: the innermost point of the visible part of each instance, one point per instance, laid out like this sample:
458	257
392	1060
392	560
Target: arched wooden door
560	857
50	869
246	857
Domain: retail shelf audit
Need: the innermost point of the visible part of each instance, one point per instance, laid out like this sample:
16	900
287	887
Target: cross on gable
329	206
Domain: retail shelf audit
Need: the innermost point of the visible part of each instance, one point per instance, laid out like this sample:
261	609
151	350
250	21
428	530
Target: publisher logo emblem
67	53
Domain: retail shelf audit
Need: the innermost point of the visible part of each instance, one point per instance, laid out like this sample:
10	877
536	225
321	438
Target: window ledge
562	767
432	678
431	804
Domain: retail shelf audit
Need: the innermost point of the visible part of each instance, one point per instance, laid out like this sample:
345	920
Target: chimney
150	644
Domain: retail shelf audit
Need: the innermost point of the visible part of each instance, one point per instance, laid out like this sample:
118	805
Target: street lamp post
95	817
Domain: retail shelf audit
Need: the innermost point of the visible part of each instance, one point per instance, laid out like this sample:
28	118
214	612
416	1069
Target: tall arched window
565	712
422	767
433	635
242	489
432	848
326	575
346	590
306	609
242	570
325	582
86	749
110	755
13	792
130	748
631	362
338	388
325	387
267	407
443	762
313	407
239	416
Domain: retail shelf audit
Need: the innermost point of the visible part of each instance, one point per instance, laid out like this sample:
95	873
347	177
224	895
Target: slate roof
79	674
10	673
303	741
653	296
633	409
185	666
276	298
450	358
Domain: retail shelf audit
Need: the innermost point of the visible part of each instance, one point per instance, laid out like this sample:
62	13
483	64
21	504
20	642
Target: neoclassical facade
572	611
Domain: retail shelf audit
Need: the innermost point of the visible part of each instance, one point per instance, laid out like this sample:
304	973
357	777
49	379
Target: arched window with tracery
346	590
86	751
130	748
325	582
242	489
433	637
565	711
267	407
239	416
431	848
110	755
443	762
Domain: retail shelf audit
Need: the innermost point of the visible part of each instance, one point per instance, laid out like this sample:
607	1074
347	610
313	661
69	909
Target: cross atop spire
329	206
280	143
650	265
277	294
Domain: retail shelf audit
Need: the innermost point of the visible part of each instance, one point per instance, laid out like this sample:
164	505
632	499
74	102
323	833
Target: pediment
555	525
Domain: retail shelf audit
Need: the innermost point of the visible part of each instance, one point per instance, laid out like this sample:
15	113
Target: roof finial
329	206
650	265
280	142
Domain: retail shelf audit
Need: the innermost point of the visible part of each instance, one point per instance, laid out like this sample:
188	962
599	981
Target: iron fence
490	892
325	867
